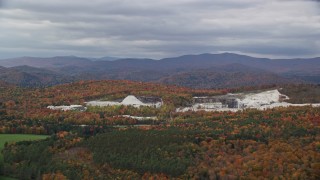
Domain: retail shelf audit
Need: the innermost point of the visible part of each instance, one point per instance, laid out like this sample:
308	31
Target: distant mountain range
196	71
27	76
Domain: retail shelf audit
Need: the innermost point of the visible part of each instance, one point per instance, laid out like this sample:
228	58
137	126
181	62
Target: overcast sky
156	29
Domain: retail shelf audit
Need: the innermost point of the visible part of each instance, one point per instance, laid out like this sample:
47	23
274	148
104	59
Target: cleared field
18	137
6	178
15	138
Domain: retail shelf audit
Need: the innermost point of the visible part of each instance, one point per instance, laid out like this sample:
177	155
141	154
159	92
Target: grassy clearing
10	138
18	137
6	178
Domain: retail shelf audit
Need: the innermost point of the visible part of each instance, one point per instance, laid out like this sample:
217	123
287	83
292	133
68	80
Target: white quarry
230	102
264	100
237	102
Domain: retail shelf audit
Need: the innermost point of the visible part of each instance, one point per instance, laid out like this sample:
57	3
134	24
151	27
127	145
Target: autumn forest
104	143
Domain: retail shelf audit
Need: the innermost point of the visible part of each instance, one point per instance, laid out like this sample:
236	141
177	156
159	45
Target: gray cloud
155	29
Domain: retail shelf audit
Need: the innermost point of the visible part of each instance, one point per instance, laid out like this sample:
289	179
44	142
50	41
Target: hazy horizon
118	58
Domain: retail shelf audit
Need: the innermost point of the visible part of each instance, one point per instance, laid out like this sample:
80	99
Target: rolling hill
227	76
197	71
27	76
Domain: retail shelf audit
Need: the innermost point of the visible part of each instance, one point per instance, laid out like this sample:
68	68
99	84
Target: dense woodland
99	144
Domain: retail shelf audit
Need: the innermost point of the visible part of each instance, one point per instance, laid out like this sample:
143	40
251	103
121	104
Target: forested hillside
27	76
248	145
302	93
230	76
100	143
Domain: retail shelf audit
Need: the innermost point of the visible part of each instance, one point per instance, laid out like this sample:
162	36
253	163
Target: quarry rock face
236	102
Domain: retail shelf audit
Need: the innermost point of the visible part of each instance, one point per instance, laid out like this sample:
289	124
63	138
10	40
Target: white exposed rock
102	103
214	105
68	108
260	99
132	100
285	104
139	117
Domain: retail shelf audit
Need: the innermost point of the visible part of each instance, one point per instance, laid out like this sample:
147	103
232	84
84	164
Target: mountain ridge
166	70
